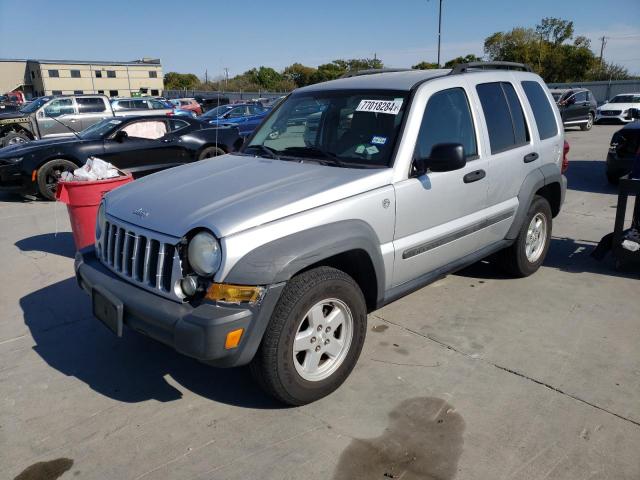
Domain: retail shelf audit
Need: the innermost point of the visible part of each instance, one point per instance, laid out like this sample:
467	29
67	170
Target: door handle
474	176
530	157
169	140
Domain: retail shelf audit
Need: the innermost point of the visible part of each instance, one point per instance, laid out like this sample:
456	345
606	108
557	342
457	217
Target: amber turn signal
223	292
233	338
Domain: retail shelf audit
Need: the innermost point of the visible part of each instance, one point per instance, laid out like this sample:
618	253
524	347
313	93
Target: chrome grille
610	112
145	258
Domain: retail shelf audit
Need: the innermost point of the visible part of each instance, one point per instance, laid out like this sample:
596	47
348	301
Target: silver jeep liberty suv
351	194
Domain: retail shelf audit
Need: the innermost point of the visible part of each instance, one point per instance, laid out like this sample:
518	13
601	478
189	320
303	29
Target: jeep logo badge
141	213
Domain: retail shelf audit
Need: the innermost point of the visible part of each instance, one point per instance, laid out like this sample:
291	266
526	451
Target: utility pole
226	78
603	39
439	30
206	77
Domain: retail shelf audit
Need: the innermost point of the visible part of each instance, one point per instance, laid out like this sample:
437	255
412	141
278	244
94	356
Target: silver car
139	106
351	194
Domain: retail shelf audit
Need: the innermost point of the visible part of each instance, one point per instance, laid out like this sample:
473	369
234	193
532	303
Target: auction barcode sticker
380	106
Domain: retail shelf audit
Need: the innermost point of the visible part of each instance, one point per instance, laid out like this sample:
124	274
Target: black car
577	107
624	147
138	145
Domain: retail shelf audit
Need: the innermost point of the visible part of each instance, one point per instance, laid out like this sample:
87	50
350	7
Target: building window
33	74
153	74
155	93
111	74
100	92
54	73
113	93
56	92
98	73
78	92
75	73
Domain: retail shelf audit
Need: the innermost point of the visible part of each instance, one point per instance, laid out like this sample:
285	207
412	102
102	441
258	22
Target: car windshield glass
100	129
33	106
626	99
352	128
216	112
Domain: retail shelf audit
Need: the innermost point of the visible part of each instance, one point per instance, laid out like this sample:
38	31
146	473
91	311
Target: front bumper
197	332
611	119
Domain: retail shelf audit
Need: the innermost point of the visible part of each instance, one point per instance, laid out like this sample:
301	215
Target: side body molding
534	181
279	260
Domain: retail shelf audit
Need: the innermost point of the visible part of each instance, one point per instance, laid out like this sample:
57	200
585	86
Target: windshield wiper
270	152
335	160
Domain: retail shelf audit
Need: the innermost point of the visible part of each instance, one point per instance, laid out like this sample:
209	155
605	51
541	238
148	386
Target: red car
187	104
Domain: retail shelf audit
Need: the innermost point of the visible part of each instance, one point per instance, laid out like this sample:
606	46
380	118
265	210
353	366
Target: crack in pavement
508	370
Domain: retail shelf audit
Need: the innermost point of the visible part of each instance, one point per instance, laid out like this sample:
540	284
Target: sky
196	36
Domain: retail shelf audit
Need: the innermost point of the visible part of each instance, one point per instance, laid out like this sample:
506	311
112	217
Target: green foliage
180	81
425	66
608	71
466	59
552	51
299	74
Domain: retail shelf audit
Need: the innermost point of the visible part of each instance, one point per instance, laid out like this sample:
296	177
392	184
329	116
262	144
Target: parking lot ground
477	376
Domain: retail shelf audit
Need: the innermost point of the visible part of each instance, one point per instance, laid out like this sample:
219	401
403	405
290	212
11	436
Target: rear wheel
15	138
589	124
530	248
49	174
314	337
210	152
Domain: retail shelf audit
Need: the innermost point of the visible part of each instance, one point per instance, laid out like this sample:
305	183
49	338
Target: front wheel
530	248
589	124
314	337
14	138
49	174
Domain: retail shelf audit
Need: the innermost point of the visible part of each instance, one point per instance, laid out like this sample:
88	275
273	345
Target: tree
180	81
425	66
608	71
299	74
337	68
466	59
555	30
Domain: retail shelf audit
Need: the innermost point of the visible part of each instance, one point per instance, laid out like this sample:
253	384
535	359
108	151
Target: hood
29	147
618	106
12	115
232	193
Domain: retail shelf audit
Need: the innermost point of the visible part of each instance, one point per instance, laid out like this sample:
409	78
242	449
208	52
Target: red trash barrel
82	200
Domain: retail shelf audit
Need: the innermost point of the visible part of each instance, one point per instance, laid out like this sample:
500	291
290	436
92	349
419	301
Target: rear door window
504	116
90	105
447	119
542	110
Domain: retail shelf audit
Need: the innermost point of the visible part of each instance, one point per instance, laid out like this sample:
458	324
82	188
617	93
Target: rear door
440	215
91	110
577	108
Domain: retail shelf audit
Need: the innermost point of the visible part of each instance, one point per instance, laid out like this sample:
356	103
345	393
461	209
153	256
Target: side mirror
634	113
41	114
121	136
444	157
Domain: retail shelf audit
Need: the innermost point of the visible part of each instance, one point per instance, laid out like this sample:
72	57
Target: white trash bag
93	169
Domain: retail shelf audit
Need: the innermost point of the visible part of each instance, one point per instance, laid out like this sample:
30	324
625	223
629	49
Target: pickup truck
55	116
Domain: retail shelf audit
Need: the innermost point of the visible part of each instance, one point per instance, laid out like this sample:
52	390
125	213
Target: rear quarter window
542	110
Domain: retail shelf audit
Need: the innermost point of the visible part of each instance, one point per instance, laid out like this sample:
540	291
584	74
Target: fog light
189	285
234	293
233	338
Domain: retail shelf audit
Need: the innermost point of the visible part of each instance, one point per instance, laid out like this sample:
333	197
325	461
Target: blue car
245	116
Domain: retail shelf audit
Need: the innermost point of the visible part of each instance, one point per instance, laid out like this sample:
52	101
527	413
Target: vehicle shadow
128	369
14	198
588	176
60	243
565	254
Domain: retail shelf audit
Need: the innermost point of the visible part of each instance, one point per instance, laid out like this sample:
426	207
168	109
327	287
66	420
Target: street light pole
439	30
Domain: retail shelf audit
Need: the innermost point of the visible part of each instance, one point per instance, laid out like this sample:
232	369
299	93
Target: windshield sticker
380	106
379	140
372	150
360	149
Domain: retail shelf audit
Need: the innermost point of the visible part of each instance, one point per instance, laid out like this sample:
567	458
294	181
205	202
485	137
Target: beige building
57	77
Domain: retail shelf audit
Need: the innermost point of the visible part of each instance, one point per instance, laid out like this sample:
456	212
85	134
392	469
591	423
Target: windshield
345	128
625	99
99	130
216	112
35	105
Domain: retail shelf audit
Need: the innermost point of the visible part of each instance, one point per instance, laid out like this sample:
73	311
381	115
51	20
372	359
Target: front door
59	117
440	215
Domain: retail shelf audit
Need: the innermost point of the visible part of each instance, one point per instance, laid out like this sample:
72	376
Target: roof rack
372	71
465	67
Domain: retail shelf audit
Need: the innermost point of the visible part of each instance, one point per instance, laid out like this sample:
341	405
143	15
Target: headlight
204	254
100	221
15	159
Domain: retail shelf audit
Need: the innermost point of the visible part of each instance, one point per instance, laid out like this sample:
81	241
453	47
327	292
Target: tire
589	124
48	175
14	138
281	372
515	259
613	177
210	152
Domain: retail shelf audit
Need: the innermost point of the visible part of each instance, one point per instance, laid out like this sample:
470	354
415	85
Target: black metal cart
628	188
